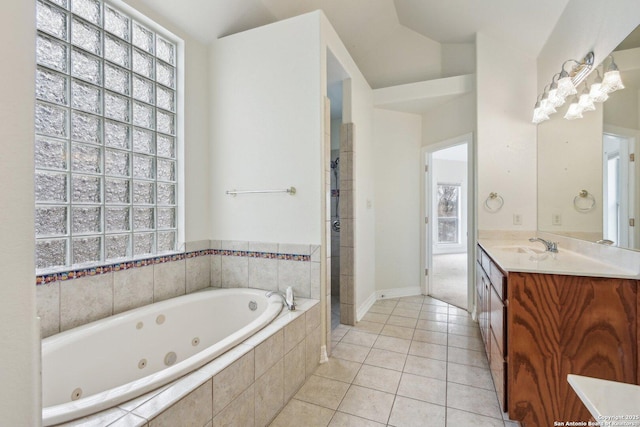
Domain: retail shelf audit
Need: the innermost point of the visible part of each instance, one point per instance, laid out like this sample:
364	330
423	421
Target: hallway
411	361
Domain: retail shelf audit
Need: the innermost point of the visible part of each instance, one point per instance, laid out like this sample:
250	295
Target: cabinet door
559	325
482	285
497	321
498	370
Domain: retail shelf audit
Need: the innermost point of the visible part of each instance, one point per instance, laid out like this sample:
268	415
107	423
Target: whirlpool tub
102	364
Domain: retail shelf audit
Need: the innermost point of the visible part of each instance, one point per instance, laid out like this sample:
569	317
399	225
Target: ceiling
392	41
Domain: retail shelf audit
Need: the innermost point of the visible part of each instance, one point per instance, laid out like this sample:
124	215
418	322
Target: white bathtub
124	356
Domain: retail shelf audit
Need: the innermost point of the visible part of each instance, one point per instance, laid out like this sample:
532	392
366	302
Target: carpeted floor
449	279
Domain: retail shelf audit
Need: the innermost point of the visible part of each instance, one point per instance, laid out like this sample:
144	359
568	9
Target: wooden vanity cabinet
542	327
491	285
560	325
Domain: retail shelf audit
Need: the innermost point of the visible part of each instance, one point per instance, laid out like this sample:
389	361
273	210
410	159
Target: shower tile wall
69	299
335	236
347	221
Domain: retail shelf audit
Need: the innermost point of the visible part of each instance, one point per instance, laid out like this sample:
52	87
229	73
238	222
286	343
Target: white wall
456	117
397	165
265	132
19	352
358	99
506	139
458	59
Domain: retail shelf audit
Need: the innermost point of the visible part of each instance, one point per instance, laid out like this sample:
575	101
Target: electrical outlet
556	219
517	219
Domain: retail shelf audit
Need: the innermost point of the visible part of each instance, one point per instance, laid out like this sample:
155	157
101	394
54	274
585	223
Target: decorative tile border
126	265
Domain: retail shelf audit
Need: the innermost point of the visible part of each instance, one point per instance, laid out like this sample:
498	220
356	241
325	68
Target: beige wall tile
198	273
235	272
85	300
313	318
269	394
48	308
216	271
232	381
296	274
294	333
263	273
269	352
312	349
195	409
169	280
295	367
132	288
239	413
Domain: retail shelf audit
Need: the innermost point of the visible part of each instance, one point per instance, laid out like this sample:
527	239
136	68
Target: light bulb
554	97
539	114
547	106
585	102
574	111
612	81
565	85
597	94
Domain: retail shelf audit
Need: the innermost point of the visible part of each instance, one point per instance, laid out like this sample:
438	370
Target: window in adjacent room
106	157
448	213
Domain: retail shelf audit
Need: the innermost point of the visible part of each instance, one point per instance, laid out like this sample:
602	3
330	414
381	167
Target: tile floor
413	361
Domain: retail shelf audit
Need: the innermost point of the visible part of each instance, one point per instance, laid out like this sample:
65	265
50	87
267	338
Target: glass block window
105	149
449	213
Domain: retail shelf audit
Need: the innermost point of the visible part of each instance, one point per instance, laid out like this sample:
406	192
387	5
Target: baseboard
399	292
385	294
365	306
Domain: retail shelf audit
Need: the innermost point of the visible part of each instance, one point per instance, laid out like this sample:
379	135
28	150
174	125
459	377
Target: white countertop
611	403
527	257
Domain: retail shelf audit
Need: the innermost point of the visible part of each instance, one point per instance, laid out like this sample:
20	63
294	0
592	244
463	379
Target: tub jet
170	358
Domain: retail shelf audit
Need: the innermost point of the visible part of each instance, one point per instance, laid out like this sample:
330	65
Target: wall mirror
589	168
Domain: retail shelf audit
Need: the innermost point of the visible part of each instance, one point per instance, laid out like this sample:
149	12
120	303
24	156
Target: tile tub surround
247	386
73	298
410	362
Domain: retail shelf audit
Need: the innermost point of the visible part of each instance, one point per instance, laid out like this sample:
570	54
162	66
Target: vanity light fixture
539	115
574	111
612	81
597	92
567	85
554	97
546	104
585	102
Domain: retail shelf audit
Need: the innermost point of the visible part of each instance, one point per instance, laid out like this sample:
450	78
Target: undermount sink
521	249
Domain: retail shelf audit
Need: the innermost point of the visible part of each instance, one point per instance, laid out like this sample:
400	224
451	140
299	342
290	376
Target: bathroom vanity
544	316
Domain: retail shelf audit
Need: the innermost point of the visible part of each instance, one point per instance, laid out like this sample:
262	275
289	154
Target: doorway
618	185
446	207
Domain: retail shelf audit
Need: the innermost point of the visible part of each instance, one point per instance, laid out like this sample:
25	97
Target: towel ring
494	202
584	201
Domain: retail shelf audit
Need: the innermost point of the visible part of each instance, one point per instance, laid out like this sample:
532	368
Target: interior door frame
426	207
632	208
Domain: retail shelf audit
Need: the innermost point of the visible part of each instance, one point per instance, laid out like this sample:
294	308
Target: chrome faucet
550	246
291	305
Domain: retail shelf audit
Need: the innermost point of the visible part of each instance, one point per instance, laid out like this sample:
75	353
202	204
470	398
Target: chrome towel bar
290	190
